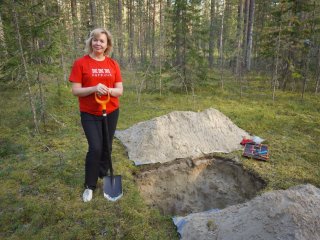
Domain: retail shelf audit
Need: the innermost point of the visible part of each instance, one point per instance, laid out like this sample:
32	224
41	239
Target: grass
42	175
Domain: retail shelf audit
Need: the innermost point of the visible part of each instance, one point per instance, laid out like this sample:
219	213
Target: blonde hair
94	33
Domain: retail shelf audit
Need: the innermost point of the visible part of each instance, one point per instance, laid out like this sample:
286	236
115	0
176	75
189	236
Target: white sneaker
87	195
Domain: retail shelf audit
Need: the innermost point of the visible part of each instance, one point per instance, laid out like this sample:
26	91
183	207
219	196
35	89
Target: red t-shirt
90	72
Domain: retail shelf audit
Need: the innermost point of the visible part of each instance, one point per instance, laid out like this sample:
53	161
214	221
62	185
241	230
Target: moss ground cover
42	175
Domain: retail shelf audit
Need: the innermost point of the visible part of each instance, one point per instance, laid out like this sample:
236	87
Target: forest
256	61
279	39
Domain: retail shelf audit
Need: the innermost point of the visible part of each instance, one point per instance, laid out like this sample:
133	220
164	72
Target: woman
97	73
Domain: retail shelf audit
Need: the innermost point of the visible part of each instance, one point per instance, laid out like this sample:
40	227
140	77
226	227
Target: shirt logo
101	72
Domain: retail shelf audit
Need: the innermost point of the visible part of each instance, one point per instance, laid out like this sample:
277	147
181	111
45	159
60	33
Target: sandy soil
194	186
181	134
186	186
292	214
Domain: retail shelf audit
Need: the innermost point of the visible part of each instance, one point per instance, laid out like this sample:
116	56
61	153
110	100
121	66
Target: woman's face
99	43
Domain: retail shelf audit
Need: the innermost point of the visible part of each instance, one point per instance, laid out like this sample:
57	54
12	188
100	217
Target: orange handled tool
112	185
103	103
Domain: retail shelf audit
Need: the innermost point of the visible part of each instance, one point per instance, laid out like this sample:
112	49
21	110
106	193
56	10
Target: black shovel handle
106	146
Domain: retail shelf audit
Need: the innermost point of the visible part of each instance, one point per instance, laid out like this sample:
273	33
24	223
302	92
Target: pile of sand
284	214
181	134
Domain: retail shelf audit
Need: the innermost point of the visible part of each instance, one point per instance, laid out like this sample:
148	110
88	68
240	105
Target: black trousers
95	165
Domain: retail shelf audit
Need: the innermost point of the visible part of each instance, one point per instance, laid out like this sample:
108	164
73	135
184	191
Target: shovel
112	184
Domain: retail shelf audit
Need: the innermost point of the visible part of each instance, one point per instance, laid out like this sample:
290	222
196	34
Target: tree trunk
63	66
313	37
275	74
286	72
42	99
25	68
120	34
238	37
131	32
178	30
249	35
221	44
75	27
153	35
61	46
211	37
310	47
245	31
239	60
39	60
142	45
4	51
93	14
147	27
160	47
318	72
261	20
305	74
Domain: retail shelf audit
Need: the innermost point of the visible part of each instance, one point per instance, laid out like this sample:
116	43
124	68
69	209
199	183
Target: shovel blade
112	187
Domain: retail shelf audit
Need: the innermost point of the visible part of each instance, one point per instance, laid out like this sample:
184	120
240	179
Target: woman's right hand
101	89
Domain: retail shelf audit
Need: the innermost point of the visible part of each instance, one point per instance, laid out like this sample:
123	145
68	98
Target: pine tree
188	32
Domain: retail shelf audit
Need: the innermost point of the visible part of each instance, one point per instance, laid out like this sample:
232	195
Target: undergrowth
42	175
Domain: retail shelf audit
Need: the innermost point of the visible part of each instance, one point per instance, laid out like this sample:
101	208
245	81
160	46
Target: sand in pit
181	134
185	186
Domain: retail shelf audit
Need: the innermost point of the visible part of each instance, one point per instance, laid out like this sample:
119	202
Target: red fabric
245	141
90	72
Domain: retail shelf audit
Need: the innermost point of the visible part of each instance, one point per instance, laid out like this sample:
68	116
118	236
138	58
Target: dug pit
185	186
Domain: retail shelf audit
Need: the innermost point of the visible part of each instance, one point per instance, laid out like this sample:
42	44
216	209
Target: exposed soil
185	186
194	182
292	214
181	134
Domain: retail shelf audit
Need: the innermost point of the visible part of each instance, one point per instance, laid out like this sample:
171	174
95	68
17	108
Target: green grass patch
42	175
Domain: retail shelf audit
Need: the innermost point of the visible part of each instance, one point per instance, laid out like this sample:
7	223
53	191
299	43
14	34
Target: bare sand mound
181	134
284	214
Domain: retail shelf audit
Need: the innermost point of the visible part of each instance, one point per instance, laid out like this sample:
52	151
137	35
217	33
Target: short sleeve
118	77
76	73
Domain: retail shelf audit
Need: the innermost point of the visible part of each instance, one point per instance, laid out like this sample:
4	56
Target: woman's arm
117	90
79	91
